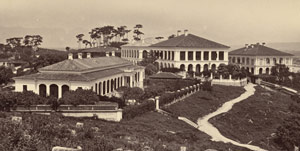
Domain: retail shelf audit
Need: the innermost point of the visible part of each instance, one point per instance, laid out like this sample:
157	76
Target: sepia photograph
149	75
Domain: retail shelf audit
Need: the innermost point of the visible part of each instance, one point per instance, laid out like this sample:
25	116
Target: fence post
230	77
157	102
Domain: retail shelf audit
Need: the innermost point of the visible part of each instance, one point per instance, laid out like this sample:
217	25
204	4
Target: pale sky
231	22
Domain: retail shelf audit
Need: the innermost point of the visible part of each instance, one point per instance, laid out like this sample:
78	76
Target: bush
80	96
121	102
207	86
135	110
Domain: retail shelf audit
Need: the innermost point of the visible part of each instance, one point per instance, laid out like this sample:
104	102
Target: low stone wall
230	82
106	112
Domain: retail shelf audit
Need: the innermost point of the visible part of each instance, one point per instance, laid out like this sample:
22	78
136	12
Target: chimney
107	54
113	53
186	32
70	56
263	43
178	32
246	45
88	55
79	55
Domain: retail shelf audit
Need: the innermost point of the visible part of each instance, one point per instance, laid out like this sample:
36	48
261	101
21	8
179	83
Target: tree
86	43
14	42
5	75
171	36
80	96
79	37
281	72
137	32
135	93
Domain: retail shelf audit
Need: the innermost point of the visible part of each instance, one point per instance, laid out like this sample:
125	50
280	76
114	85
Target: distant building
138	50
259	59
14	65
103	75
186	51
95	52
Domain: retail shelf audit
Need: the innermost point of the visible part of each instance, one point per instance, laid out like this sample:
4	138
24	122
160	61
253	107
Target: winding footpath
209	129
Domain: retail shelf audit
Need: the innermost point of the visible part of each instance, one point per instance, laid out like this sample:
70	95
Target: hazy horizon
231	22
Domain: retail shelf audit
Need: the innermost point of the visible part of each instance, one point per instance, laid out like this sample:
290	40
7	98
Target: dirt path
209	129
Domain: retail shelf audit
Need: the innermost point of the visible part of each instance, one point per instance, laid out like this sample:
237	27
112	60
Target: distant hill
289	47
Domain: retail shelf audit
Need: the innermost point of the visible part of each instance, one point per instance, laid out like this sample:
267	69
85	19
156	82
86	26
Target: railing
281	88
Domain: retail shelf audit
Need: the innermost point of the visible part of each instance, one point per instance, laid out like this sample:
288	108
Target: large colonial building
186	51
138	50
259	59
103	75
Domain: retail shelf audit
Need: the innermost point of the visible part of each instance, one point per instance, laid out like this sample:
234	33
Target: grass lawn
203	102
255	118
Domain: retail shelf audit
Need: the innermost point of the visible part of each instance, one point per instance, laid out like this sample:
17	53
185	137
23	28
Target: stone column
194	55
186	55
202	55
217	56
59	91
47	90
209	55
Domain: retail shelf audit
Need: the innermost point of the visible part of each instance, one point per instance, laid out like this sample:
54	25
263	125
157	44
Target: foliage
207	86
154	90
280	71
135	93
136	110
288	134
5	75
173	70
121	102
151	69
80	96
234	70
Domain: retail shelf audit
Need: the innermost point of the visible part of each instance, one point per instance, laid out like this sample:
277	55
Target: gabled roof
258	50
191	41
86	64
165	75
145	42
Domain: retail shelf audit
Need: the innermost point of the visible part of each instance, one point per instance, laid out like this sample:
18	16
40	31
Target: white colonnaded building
187	51
103	75
259	59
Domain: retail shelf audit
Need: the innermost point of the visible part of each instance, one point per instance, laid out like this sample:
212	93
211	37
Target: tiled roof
104	67
72	77
258	50
86	64
165	75
145	42
190	41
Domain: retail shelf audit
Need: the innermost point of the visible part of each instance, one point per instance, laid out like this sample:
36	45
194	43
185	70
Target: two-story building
187	52
259	59
103	75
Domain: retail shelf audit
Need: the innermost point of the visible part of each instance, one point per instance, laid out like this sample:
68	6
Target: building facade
187	52
259	59
103	75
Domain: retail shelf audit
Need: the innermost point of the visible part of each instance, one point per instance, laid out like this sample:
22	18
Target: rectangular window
252	61
243	60
169	55
182	55
24	87
206	55
221	55
213	55
198	55
229	59
247	61
190	55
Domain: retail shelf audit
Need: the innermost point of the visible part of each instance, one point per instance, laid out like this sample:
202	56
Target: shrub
80	96
121	102
207	86
132	111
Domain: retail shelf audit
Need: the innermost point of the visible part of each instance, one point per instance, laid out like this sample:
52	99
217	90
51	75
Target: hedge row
130	112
